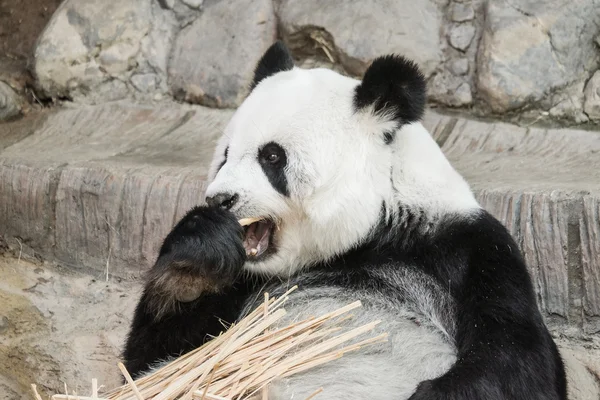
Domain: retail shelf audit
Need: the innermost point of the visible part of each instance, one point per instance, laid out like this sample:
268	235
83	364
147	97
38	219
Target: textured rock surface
90	50
461	36
459	66
214	58
582	363
569	103
450	90
462	12
592	97
402	26
530	48
113	184
530	56
10	103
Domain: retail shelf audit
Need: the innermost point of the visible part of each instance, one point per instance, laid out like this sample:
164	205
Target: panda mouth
258	239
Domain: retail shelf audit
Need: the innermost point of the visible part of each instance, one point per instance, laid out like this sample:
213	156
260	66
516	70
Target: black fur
201	235
504	349
208	241
276	59
388	137
224	159
223	200
193	324
274	169
394	86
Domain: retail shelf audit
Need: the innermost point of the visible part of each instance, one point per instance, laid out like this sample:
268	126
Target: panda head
319	156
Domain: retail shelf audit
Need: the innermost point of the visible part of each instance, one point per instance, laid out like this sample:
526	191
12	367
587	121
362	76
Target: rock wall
496	57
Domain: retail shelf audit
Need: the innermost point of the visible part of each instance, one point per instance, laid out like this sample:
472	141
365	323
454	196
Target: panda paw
204	253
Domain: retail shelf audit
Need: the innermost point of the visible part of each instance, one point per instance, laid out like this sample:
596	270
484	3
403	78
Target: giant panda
358	203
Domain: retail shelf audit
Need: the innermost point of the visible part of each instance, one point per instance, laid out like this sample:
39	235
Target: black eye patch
273	159
225	160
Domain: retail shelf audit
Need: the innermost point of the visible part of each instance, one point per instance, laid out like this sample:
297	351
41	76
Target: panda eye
273	161
272	158
272	154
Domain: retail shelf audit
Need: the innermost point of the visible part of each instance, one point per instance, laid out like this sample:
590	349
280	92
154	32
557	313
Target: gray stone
213	59
463	94
592	97
394	26
87	44
568	104
144	82
528	49
461	36
106	91
462	12
459	66
10	103
582	369
450	90
193	3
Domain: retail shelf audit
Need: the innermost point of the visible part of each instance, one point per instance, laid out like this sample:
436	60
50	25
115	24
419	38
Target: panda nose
223	200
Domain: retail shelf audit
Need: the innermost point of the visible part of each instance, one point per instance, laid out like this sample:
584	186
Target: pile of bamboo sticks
241	362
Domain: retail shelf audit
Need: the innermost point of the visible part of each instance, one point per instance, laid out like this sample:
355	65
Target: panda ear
395	89
276	59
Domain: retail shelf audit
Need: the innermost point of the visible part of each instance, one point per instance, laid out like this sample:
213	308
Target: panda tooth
253	252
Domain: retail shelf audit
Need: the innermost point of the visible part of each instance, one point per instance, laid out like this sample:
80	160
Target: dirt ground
21	22
57	325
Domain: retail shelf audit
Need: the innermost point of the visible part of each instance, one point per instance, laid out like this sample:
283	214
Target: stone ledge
99	187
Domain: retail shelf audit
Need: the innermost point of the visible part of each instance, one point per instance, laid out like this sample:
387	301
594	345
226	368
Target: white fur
413	352
338	167
423	176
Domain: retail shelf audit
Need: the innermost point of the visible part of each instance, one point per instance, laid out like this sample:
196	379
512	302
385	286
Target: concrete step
98	187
